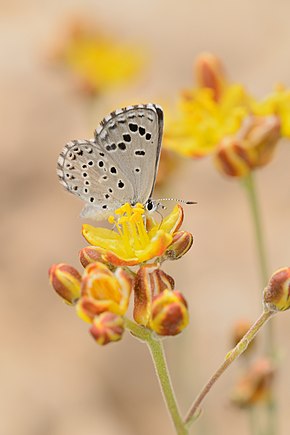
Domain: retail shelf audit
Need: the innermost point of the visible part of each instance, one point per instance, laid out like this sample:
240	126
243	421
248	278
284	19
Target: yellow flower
216	111
103	290
95	60
137	239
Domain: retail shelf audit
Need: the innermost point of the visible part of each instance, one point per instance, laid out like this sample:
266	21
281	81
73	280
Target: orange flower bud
87	308
90	254
110	291
277	292
255	386
107	327
169	313
250	148
210	74
149	281
181	243
261	133
66	281
233	159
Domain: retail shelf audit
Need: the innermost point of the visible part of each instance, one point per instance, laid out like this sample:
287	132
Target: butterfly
119	165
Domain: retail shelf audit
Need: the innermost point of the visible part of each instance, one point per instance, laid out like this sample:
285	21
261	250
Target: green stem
249	183
270	350
160	365
230	358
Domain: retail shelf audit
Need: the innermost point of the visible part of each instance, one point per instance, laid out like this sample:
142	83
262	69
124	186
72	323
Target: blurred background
54	379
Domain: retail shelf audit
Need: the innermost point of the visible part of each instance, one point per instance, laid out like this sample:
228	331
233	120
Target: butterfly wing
88	172
132	138
119	166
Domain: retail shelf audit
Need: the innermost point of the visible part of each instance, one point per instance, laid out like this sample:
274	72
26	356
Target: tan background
54	379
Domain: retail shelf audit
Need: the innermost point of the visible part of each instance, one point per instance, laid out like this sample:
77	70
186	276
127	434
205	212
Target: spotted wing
131	137
89	172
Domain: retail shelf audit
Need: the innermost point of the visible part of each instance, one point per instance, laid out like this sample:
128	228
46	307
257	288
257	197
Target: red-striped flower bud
252	147
210	74
66	281
150	280
91	254
107	327
169	313
277	292
181	244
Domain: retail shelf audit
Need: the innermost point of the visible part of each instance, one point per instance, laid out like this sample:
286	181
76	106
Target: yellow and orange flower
137	240
103	290
96	61
223	119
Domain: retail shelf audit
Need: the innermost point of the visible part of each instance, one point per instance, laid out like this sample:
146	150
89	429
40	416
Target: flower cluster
101	294
95	61
223	119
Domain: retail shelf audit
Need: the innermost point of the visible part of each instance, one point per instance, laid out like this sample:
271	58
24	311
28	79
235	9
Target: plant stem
249	183
230	358
159	360
270	350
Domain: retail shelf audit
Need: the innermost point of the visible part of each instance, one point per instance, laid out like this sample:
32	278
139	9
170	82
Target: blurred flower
255	386
133	243
107	328
277	292
225	120
66	281
240	328
96	61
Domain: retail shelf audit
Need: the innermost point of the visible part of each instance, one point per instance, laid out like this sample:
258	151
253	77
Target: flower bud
110	291
149	281
181	243
210	74
250	148
169	313
92	254
233	159
261	133
66	281
255	386
277	292
107	327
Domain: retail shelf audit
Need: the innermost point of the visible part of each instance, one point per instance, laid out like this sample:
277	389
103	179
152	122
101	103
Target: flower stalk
159	361
229	359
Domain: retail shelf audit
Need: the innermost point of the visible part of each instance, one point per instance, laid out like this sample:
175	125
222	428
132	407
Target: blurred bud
92	254
255	386
169	313
149	281
110	291
210	74
250	148
107	327
66	281
181	243
277	292
261	133
241	327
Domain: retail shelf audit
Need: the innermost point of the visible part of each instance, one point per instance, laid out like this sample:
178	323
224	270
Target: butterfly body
119	165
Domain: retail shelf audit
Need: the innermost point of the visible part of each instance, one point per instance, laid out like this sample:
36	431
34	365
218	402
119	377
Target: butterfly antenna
177	200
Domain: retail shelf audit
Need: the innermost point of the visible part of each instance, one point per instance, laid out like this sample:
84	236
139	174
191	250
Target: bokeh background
54	379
